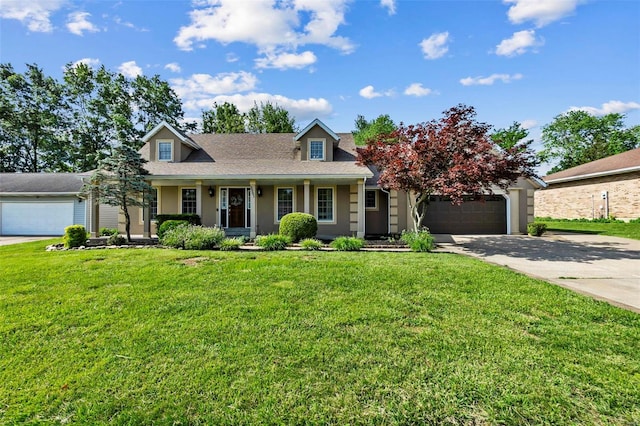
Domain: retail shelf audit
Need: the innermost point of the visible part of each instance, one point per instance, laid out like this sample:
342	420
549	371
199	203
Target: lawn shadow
546	249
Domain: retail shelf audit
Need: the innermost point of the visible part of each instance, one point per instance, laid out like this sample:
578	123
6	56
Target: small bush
74	236
347	244
169	224
298	226
116	240
273	242
420	241
311	244
635	220
229	244
193	219
190	237
536	229
107	232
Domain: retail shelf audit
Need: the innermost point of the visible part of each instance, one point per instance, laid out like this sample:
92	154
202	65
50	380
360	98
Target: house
602	188
46	203
245	183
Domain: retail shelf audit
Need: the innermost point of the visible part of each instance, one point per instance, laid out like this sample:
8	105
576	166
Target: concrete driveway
5	241
606	268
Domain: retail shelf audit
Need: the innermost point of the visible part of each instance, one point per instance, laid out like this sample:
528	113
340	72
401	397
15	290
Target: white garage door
36	218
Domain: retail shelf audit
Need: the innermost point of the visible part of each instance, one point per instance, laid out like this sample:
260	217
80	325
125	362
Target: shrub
273	241
229	244
116	240
635	220
193	219
169	224
192	237
420	241
347	244
75	236
298	226
107	232
311	244
536	229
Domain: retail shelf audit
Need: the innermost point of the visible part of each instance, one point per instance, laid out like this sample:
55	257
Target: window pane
325	204
153	204
285	201
164	151
370	199
316	151
189	201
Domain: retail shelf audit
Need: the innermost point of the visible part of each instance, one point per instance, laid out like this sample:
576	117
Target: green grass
625	230
152	336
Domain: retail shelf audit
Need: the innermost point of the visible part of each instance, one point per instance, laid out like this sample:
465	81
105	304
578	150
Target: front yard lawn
151	336
625	230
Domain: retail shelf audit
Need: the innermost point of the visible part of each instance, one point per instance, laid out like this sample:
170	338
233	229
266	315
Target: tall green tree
511	136
270	118
155	101
225	118
367	130
120	181
30	117
577	137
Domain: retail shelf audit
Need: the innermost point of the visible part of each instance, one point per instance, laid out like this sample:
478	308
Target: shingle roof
616	164
251	155
45	183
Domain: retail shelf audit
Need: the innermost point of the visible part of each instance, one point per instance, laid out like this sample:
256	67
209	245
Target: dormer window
316	150
165	151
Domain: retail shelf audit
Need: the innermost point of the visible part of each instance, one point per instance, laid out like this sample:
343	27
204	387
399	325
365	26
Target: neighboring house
245	183
45	203
602	188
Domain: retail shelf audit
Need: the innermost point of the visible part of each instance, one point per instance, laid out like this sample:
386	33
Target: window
284	203
371	199
165	151
316	150
325	204
153	204
188	201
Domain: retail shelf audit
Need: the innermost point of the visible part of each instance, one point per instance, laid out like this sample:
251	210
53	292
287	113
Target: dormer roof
181	136
324	127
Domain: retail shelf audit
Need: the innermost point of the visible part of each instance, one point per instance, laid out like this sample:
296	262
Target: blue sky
513	60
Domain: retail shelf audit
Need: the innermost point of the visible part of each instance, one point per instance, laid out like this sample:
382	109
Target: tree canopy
120	181
263	118
511	136
71	124
366	130
453	156
577	137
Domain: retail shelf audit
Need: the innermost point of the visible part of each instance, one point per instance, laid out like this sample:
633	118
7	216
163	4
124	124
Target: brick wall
583	199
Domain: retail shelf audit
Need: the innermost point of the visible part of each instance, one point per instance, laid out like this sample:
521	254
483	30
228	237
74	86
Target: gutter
594	175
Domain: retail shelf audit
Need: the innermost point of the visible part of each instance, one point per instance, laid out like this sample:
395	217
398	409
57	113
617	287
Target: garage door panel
36	218
471	217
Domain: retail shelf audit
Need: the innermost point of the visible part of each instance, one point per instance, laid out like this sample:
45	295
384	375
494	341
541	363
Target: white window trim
375	207
334	194
324	149
169	141
158	192
180	188
275	201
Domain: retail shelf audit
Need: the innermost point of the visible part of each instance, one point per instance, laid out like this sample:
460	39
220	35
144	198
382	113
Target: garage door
36	218
471	217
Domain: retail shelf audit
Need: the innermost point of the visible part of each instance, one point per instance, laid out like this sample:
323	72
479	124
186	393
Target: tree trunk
127	222
417	212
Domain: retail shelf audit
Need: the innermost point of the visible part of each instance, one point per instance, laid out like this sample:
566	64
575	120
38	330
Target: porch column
361	211
307	196
146	219
254	208
199	198
95	215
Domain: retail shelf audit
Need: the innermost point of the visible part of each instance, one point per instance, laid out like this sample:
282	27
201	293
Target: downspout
388	210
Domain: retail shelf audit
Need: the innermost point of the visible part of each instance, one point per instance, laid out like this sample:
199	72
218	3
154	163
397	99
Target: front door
237	207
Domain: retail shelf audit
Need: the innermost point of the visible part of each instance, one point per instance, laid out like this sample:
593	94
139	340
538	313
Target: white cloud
203	87
130	69
611	107
90	62
268	25
232	57
542	12
78	22
528	124
369	92
390	5
435	46
416	89
301	109
173	67
488	81
286	60
35	14
518	43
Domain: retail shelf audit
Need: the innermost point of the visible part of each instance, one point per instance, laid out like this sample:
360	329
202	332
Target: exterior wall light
212	191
